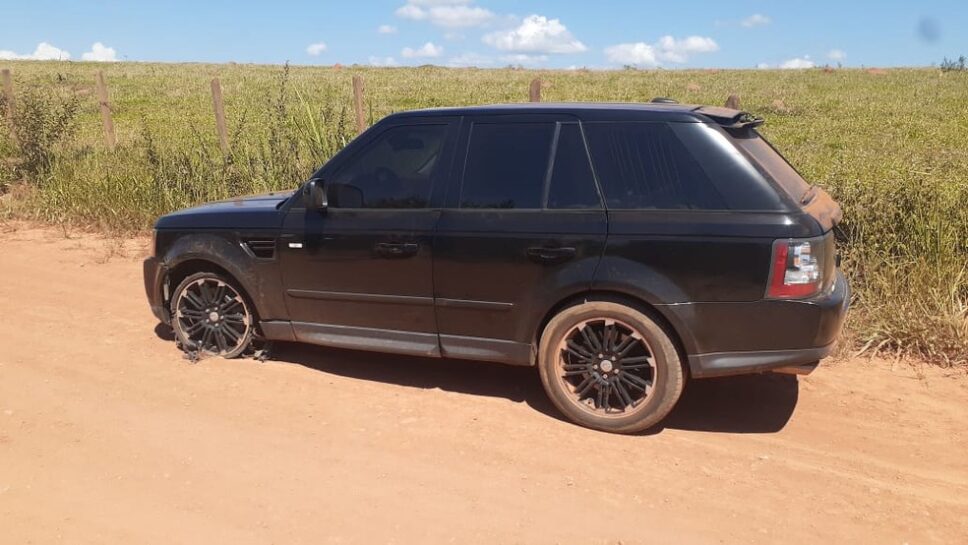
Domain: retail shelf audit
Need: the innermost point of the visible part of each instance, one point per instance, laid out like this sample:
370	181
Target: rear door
523	227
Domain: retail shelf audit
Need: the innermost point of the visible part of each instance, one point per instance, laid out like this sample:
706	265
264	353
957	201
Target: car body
462	232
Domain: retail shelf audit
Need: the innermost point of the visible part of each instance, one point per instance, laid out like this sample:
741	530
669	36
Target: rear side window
507	164
572	183
644	165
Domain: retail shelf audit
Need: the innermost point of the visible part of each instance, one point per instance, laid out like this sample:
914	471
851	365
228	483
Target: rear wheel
210	316
610	367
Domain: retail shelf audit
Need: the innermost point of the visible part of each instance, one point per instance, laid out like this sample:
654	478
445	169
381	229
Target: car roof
596	111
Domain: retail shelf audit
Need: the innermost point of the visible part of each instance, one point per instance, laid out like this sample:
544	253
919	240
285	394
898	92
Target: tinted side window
507	164
572	182
644	165
394	171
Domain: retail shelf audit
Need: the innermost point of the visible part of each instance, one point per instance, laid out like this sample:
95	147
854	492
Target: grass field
890	146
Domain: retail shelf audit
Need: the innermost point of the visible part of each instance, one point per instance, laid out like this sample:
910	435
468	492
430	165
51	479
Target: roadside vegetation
889	145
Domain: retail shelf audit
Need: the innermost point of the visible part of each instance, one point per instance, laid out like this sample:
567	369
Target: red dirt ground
107	435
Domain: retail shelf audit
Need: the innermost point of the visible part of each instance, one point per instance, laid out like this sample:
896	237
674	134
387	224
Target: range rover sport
620	248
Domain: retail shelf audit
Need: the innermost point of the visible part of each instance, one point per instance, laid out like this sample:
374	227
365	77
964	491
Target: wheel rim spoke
194	300
608	337
578	350
623	394
639	359
585	386
219	297
220	341
627	344
591	339
637	381
195	328
231	332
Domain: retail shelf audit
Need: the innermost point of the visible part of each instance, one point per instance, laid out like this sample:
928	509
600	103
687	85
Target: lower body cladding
400	342
788	336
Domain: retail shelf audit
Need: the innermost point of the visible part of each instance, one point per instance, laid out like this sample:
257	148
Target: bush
43	123
948	65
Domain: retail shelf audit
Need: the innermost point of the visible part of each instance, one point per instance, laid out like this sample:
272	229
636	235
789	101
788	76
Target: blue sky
540	33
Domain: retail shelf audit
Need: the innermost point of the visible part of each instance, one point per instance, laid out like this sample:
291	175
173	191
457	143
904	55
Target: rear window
772	163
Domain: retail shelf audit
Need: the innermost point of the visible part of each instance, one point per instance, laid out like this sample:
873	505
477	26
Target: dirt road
108	436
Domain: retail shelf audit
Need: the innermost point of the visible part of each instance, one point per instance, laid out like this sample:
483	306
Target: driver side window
394	171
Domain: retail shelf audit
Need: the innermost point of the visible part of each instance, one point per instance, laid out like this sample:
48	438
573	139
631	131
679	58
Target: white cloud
525	59
637	54
411	11
667	49
762	66
836	55
382	61
536	34
798	63
755	20
316	49
673	50
427	50
449	14
100	53
386	29
43	52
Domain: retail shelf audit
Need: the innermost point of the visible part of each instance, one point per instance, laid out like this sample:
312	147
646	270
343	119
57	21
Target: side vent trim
261	248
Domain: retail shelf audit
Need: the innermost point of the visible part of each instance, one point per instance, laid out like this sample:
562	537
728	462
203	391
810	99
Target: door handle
395	250
550	256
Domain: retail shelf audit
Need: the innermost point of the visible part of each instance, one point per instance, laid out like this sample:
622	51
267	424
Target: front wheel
210	316
610	367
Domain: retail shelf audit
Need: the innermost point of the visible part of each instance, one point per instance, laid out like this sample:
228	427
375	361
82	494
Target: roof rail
664	100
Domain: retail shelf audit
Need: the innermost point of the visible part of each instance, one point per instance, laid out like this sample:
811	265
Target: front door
359	273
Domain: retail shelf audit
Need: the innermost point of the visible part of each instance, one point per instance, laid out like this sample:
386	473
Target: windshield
772	163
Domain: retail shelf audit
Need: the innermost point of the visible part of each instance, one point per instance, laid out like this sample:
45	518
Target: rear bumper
740	338
155	273
741	363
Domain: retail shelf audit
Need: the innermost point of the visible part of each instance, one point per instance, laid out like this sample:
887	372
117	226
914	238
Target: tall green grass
890	147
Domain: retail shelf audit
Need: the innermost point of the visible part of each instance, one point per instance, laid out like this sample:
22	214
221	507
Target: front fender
258	277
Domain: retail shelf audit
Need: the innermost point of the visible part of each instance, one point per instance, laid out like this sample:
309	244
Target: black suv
620	248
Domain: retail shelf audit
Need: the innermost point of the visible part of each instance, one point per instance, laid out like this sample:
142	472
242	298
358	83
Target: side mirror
316	193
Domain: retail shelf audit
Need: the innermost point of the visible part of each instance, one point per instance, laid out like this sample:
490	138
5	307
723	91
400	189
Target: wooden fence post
732	101
534	92
358	103
223	135
8	101
102	97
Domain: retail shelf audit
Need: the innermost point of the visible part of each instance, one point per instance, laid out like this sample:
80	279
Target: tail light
801	268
